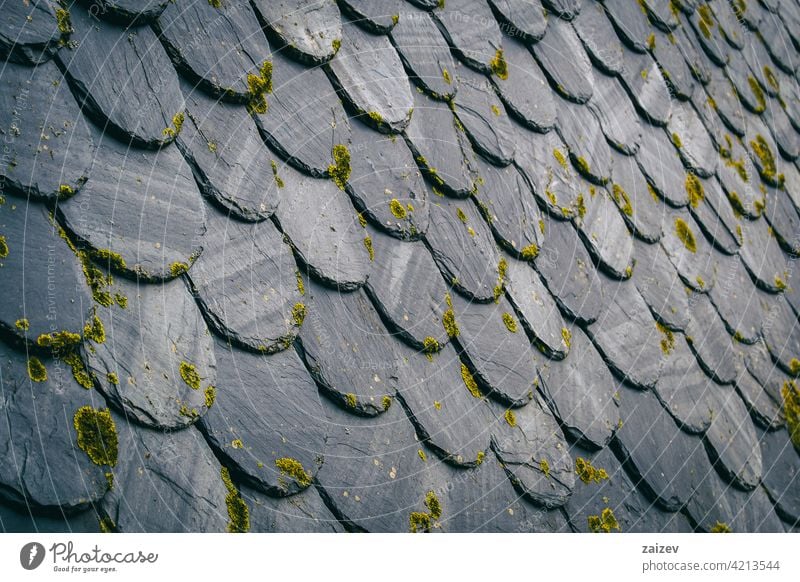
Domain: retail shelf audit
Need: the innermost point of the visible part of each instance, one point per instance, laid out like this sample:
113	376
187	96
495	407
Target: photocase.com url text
718	566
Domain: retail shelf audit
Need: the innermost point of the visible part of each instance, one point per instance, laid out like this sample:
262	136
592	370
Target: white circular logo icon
31	555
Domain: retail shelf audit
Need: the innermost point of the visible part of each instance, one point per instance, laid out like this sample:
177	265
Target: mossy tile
375	16
304	513
582	133
631	23
309	30
472	31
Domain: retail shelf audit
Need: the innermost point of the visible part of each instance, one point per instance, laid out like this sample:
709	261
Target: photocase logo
31	555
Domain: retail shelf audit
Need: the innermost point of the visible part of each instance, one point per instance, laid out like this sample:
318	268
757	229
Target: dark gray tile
564	61
566	9
692	140
781	332
378	17
602	229
710	341
581	132
642	210
662	167
688	250
524	19
675	70
297	514
31	31
762	256
616	114
630	22
309	30
781	474
135	12
716	502
708	34
660	287
472	32
645	83
597	34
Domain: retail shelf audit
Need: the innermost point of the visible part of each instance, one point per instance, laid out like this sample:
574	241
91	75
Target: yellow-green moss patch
36	370
588	473
94	330
510	322
791	410
721	527
258	86
686	235
695	190
294	469
22	324
469	382
397	209
298	314
622	199
3	247
499	65
510	417
238	512
97	434
339	170
59	341
190	375
603	523
668	341
530	252
211	396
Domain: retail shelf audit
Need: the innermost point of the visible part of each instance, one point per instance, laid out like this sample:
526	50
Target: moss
419	522
97	434
510	322
386	401
771	79
294	469
430	345
299	314
350	400
94	330
686	235
237	444
36	370
780	283
22	324
278	181
511	418
59	341
422	454
461	216
449	323
437	405
499	65
530	252
65	191
479	458
603	523
794	367
3	247
258	86
469	382
238	512
369	247
668	341
652	191
112	378
176	127
721	527
706	21
739	8
695	190
502	269
791	410
560	158
760	205
583	165
566	336
79	372
211	396
764	153
339	170
622	199
398	210
190	375
676	140
301	288
496	110
581	206
446	76
758	93
544	467
336	45
110	258
64	21
121	300
588	473
107	525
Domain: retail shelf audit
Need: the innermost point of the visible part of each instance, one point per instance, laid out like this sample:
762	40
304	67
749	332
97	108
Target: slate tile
141	208
580	391
763	150
42	281
43	466
662	461
747	89
493	345
216	46
136	12
386	185
565	9
373	476
662	167
348	351
534	454
13	520
506	199
661	14
537	311
246	284
157	361
368	74
764	411
740	304
524	88
778	43
756	56
49	147
298	514
781	474
730	26
30	32
790	17
708	34
472	33
165	482
602	229
633	511
765	370
440	147
309	30
616	114
714	214
645	83
784	134
781	331
483	117
661	288
227	156
762	256
630	22
784	220
523	19
751	14
674	69
710	341
689	252
304	118
564	61
462	245
424	52
378	17
447	412
266	418
408	291
642	211
699	63
327	239
626	335
791	184
129	87
598	37
716	502
686	392
581	132
569	273
739	178
692	140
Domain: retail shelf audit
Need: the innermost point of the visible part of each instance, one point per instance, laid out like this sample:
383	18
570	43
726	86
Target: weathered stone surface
13	520
157	361
781	332
246	284
598	37
376	16
768	374
784	134
604	233
764	411
777	43
309	30
739	179
521	18
690	253
298	514
29	32
715	502
266	416
135	12
348	350
762	256
327	238
368	74
763	150
42	280
781	474
407	290
216	47
127	86
165	482
616	114
661	13
48	145
709	340
566	9
660	287
725	101
580	130
642	211
580	392
42	466
141	206
713	213
463	247
565	62
692	140
709	36
227	156
626	335
630	22
662	167
740	304
674	69
471	31
697	60
645	83
747	89
729	23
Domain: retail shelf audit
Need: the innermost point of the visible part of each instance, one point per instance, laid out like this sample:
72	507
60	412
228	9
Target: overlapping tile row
466	265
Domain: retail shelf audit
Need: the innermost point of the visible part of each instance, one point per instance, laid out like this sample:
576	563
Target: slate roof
462	265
